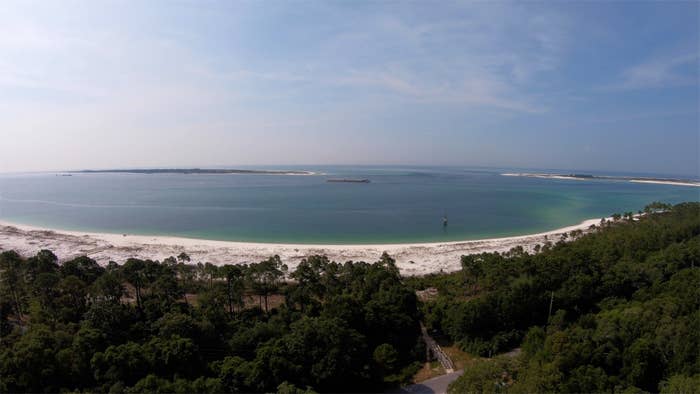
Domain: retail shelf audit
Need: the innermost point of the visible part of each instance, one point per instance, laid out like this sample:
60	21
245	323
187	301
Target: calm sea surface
401	204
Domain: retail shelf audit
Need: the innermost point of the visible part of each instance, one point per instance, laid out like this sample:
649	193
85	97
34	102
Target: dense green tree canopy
617	309
175	327
614	310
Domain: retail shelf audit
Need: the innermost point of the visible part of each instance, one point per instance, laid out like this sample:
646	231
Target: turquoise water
401	204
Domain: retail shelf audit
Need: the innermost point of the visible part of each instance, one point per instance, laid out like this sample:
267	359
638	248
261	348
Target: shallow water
401	204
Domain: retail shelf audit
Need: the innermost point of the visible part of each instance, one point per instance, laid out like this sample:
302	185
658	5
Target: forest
614	310
148	326
617	310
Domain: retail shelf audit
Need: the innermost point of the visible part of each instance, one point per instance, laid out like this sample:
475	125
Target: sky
589	85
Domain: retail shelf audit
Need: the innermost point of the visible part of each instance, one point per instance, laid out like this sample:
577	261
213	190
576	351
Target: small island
190	171
348	180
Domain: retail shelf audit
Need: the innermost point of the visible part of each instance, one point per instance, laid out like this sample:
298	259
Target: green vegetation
137	328
617	310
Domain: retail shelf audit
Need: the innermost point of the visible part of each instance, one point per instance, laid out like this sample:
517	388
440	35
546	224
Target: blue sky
589	85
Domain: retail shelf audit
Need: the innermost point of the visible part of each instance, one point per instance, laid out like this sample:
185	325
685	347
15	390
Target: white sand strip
695	184
547	176
412	259
595	178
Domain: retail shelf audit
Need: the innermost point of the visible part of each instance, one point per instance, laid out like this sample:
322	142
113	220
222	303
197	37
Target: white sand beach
694	184
674	182
412	259
545	176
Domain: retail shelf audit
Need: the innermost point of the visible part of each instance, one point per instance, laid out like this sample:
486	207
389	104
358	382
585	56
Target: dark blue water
401	204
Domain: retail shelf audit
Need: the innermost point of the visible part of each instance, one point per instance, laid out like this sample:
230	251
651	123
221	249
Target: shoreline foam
411	259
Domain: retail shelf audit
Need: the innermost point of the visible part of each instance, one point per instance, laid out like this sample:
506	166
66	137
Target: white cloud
480	57
488	57
660	72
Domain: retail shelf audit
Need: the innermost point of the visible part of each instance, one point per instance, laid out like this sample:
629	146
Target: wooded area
131	327
615	310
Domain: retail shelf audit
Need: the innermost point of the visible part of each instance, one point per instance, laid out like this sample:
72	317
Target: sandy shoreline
412	259
666	182
673	182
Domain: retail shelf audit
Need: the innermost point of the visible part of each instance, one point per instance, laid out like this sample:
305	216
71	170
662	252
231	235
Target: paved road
436	385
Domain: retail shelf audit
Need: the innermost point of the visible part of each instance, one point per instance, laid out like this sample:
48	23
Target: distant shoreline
586	177
411	259
190	171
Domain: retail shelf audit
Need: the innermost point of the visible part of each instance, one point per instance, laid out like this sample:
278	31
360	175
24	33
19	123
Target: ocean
399	205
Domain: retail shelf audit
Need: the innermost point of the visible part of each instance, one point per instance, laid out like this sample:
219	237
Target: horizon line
300	167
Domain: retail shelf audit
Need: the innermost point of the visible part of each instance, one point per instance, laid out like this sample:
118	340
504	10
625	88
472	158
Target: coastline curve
411	258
